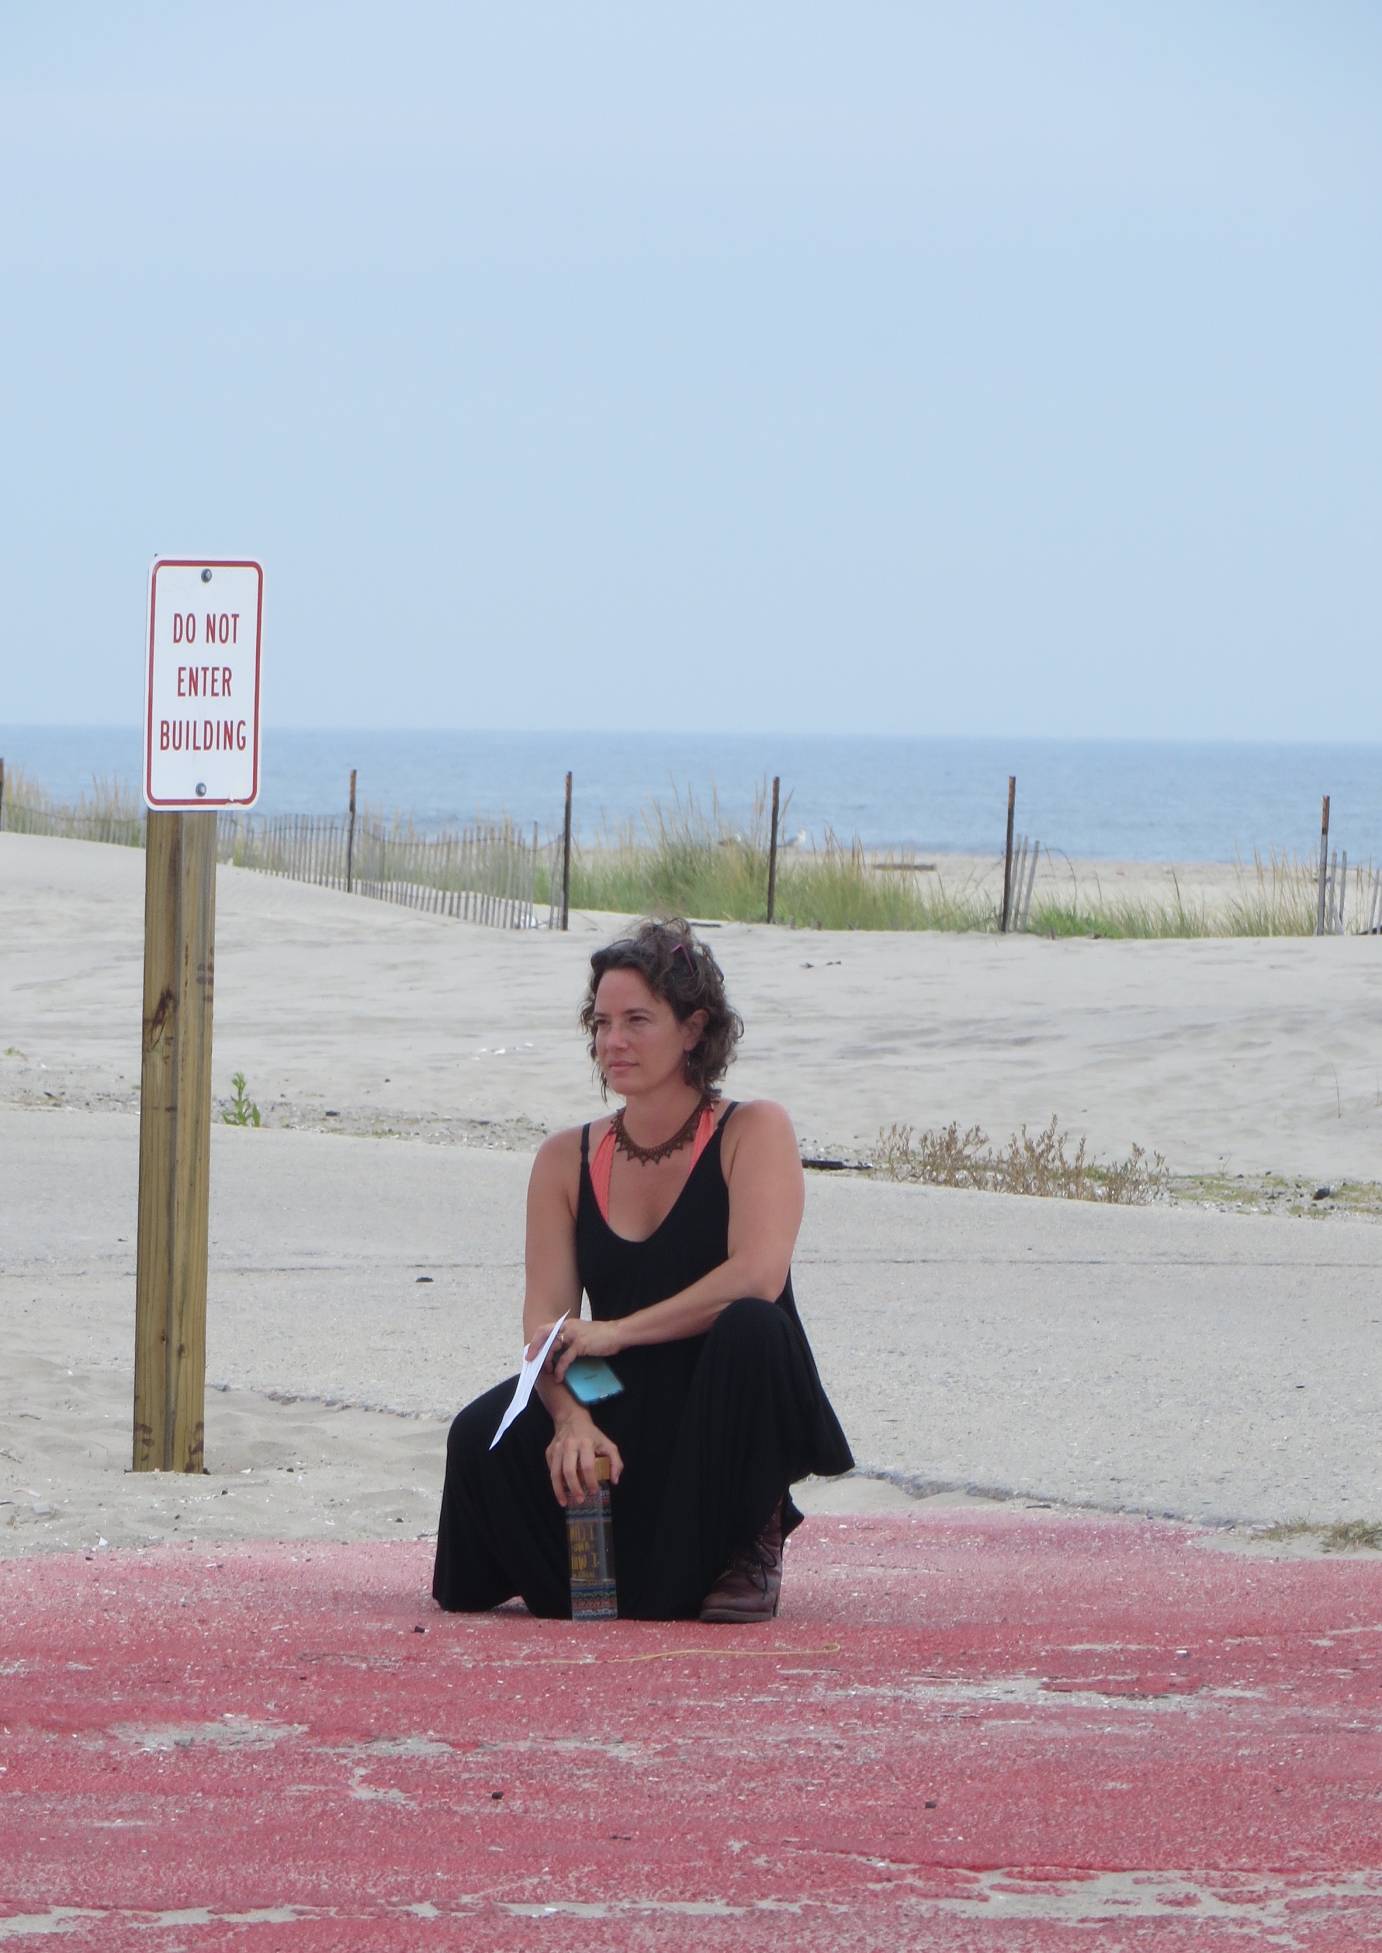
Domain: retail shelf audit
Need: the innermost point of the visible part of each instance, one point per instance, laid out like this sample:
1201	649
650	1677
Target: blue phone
590	1378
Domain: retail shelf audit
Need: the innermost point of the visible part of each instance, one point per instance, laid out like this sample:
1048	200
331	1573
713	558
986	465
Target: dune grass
1276	897
830	889
108	812
689	860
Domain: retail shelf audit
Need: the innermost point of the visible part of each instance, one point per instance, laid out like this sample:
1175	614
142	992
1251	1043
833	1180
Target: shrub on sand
1041	1165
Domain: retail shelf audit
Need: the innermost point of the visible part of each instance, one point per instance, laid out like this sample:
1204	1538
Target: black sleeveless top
620	1276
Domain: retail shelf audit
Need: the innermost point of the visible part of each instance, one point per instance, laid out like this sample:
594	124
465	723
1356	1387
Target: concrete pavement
1208	1366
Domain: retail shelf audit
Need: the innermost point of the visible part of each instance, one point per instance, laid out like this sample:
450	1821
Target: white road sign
201	723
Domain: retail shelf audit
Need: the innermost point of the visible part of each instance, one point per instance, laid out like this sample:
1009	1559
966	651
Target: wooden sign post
174	1142
201	752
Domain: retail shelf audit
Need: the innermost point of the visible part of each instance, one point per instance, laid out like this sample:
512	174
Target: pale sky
1007	367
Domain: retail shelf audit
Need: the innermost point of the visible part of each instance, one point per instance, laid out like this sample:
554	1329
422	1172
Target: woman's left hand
577	1337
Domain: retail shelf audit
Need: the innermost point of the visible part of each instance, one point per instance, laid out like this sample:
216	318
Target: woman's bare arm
552	1288
552	1282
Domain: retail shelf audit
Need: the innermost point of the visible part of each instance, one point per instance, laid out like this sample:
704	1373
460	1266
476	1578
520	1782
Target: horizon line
135	730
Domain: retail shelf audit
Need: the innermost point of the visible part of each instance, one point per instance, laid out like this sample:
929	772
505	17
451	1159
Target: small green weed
1313	1199
242	1110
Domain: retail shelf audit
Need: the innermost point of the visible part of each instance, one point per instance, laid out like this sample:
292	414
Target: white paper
527	1377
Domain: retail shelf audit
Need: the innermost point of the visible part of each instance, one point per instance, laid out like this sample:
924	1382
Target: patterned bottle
590	1546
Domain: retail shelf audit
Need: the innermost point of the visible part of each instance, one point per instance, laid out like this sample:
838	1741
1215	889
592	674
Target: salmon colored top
602	1163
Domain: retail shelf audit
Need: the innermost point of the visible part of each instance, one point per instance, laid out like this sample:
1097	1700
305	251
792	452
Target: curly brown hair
682	971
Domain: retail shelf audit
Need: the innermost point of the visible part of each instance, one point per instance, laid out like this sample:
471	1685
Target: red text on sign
218	627
204	681
202	736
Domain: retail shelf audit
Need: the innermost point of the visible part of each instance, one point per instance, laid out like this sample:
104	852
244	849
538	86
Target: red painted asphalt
969	1729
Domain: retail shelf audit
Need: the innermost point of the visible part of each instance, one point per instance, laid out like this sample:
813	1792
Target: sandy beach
367	1241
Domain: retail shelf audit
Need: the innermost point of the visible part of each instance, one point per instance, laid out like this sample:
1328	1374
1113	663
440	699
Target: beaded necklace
650	1155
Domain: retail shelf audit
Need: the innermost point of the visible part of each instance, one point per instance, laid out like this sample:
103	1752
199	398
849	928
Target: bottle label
590	1544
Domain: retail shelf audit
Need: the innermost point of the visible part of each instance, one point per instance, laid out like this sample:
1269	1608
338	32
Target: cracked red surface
968	1729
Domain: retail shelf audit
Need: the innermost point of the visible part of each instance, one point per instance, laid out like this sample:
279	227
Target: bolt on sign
201	720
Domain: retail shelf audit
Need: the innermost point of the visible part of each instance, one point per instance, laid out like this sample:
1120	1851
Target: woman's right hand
577	1441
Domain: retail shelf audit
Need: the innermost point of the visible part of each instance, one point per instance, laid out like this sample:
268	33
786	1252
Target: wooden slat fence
124	830
1025	858
489	872
1370	901
1335	895
485	873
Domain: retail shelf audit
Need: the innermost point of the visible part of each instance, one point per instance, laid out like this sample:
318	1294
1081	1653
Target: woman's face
640	1042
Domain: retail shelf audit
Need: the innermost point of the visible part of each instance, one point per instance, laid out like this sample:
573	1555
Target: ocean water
1138	800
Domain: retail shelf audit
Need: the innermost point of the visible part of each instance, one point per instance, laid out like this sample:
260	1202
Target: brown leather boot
751	1585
